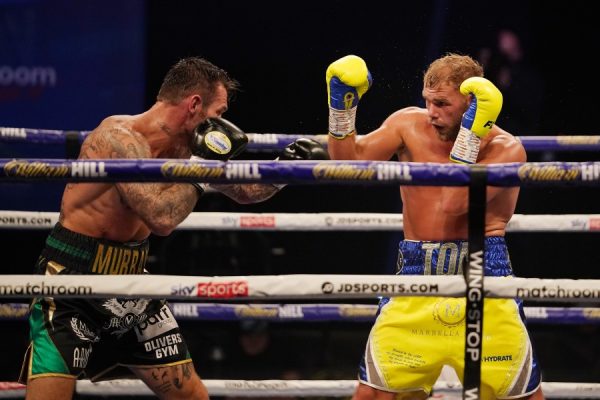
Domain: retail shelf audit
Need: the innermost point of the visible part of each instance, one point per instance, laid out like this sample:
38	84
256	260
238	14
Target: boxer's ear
195	103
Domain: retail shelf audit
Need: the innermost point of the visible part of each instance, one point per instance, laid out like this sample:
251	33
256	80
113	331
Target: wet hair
194	75
451	69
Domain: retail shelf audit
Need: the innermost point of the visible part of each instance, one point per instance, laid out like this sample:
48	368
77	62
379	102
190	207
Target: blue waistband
446	258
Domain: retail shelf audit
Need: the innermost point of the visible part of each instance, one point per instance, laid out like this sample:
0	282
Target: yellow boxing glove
478	120
348	79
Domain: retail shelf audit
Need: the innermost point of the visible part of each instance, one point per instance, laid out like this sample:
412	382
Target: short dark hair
194	75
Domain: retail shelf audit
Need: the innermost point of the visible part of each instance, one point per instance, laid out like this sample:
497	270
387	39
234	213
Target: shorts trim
74	251
99	376
51	375
521	395
188	360
43	353
389	390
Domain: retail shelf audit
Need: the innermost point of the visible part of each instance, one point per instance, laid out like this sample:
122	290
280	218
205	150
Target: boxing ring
308	287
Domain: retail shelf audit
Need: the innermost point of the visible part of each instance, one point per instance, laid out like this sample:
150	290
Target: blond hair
451	69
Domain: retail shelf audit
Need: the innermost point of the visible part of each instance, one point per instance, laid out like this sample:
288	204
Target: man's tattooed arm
247	193
162	206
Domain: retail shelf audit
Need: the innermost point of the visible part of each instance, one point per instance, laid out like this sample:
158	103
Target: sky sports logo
219	290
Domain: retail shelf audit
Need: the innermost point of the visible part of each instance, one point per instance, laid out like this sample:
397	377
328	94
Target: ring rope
526	173
328	171
292	286
319	312
304	388
277	141
10	219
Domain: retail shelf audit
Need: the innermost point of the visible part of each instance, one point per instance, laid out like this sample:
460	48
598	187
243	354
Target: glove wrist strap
466	147
342	123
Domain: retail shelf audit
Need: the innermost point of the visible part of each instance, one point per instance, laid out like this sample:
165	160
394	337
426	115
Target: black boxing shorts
98	339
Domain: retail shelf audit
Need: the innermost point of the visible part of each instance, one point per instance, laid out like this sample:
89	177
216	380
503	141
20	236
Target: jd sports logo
327	287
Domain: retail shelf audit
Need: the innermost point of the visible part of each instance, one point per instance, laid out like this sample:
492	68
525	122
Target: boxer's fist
348	79
218	139
485	106
304	149
478	120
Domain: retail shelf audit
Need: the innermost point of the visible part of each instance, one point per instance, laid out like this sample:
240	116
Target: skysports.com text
558	293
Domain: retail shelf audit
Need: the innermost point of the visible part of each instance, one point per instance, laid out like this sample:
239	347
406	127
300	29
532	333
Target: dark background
111	58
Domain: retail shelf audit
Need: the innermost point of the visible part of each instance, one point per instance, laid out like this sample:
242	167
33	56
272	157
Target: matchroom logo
25	81
27	76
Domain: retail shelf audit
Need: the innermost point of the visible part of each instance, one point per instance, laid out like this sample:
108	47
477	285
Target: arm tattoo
168	377
187	370
164	204
180	377
247	193
161	377
167	202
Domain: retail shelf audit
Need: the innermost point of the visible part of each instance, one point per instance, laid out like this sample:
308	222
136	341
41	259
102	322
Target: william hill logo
173	169
13	133
531	172
343	172
88	169
578	140
23	168
256	311
33	169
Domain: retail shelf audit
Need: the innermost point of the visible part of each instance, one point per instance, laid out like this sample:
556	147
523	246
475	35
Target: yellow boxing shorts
414	337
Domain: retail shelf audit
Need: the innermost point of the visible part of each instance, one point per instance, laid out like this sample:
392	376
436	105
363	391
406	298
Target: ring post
474	272
72	144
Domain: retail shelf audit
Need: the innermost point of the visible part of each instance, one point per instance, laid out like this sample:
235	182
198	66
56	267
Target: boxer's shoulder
116	137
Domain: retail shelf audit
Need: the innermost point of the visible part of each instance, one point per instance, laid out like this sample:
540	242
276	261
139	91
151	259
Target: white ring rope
304	388
319	312
316	221
268	287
